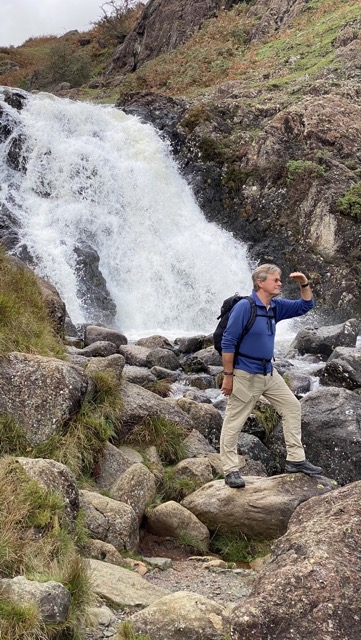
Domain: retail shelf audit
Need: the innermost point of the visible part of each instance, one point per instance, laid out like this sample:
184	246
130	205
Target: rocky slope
273	153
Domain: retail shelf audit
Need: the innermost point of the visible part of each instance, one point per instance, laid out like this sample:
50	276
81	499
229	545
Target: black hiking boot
303	467
234	480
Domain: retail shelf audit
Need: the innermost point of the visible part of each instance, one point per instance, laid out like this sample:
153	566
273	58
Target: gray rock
331	432
111	465
138	375
182	615
122	587
154	342
51	598
55	476
51	392
110	520
162	358
343	369
205	418
324	340
136	487
170	519
190	345
310	566
259	511
95	333
112	364
139	404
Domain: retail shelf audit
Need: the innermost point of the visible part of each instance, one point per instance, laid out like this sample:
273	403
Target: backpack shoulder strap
250	322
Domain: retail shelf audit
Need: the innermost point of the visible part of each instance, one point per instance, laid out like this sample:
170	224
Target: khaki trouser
247	389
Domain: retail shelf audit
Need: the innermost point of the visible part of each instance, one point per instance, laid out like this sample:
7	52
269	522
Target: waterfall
97	175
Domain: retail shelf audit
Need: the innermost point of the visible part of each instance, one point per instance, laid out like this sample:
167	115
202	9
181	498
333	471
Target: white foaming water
97	175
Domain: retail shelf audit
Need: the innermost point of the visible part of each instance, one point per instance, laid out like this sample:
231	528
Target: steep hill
261	102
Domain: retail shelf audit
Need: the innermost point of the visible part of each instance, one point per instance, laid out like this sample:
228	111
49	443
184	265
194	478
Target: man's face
272	285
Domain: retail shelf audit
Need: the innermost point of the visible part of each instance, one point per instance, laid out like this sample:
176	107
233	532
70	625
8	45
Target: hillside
261	103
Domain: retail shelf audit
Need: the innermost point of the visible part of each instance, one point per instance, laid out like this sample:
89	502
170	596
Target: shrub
350	204
116	21
67	65
301	168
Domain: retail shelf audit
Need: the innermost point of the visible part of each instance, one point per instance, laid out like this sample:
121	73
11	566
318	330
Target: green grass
174	488
24	323
19	622
82	441
164	434
125	632
236	548
35	541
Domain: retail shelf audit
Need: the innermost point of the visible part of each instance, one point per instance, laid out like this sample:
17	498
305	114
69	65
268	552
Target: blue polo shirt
259	341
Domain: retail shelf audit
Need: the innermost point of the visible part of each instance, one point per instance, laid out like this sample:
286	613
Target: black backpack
226	309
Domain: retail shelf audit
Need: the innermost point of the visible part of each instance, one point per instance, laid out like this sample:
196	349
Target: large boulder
172	520
310	587
343	369
51	599
122	587
182	615
136	487
331	432
259	511
55	476
140	404
111	464
110	520
51	393
205	418
324	340
95	333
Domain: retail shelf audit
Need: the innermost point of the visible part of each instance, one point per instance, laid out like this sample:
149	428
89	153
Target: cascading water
97	175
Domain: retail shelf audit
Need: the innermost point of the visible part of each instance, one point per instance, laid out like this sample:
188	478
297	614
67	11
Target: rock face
294	159
310	587
162	27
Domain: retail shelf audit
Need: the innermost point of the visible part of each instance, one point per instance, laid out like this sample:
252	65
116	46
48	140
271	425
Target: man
248	371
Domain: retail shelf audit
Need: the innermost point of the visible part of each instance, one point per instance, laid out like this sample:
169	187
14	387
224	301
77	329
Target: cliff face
274	155
162	27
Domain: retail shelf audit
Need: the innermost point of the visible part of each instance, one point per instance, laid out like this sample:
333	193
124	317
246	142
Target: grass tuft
165	435
235	547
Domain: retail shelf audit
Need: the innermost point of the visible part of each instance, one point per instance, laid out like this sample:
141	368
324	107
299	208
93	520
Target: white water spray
97	175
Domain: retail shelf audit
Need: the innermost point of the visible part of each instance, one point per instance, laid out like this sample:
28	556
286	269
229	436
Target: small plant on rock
350	204
175	488
302	168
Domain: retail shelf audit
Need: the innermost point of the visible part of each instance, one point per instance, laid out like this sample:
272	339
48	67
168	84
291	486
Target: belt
263	360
